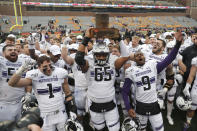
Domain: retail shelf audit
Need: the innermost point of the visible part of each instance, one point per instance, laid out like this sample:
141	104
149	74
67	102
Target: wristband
20	71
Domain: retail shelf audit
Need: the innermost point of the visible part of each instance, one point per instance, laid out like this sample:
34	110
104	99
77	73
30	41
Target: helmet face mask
73	125
101	54
131	124
101	58
183	103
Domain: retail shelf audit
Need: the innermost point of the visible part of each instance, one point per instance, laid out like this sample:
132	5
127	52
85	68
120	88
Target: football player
10	105
193	95
54	53
48	83
100	73
144	76
81	85
8	41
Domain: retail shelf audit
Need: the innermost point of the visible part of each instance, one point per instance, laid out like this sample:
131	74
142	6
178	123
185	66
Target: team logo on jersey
143	73
18	64
34	75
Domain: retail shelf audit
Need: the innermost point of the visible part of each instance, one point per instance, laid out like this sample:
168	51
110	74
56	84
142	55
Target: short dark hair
163	42
41	59
4	48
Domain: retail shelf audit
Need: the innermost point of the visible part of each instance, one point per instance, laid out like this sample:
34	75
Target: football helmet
183	103
179	78
131	124
28	104
73	125
100	48
170	44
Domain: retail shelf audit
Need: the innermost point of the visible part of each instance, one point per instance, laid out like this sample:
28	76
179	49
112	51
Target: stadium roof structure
103	5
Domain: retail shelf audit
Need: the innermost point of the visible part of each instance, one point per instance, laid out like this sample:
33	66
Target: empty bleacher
84	22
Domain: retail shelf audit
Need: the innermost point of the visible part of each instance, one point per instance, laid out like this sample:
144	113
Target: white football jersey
133	50
60	63
101	80
146	47
175	63
9	94
1	48
80	79
48	89
194	62
23	56
120	75
161	78
44	45
144	81
184	46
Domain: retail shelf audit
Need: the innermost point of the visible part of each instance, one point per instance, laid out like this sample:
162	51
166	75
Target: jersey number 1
50	90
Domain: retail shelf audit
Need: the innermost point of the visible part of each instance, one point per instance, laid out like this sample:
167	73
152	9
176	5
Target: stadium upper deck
112	2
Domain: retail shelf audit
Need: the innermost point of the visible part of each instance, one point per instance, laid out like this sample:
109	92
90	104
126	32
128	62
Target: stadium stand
83	22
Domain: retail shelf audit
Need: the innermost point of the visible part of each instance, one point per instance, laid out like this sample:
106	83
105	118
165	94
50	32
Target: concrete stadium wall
8	10
193	13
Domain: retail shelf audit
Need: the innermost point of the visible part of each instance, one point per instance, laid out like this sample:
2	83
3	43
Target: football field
179	119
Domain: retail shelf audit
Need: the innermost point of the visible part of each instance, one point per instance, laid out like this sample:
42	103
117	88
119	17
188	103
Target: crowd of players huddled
74	77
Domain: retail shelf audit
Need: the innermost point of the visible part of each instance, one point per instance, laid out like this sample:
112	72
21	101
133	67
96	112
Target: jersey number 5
10	72
146	81
99	75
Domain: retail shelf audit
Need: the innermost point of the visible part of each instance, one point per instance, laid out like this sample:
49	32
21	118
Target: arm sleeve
163	64
125	92
30	74
42	37
64	73
194	61
123	49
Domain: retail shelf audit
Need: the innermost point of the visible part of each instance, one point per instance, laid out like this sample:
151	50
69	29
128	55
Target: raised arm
163	64
79	58
123	49
16	80
31	46
64	54
120	62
